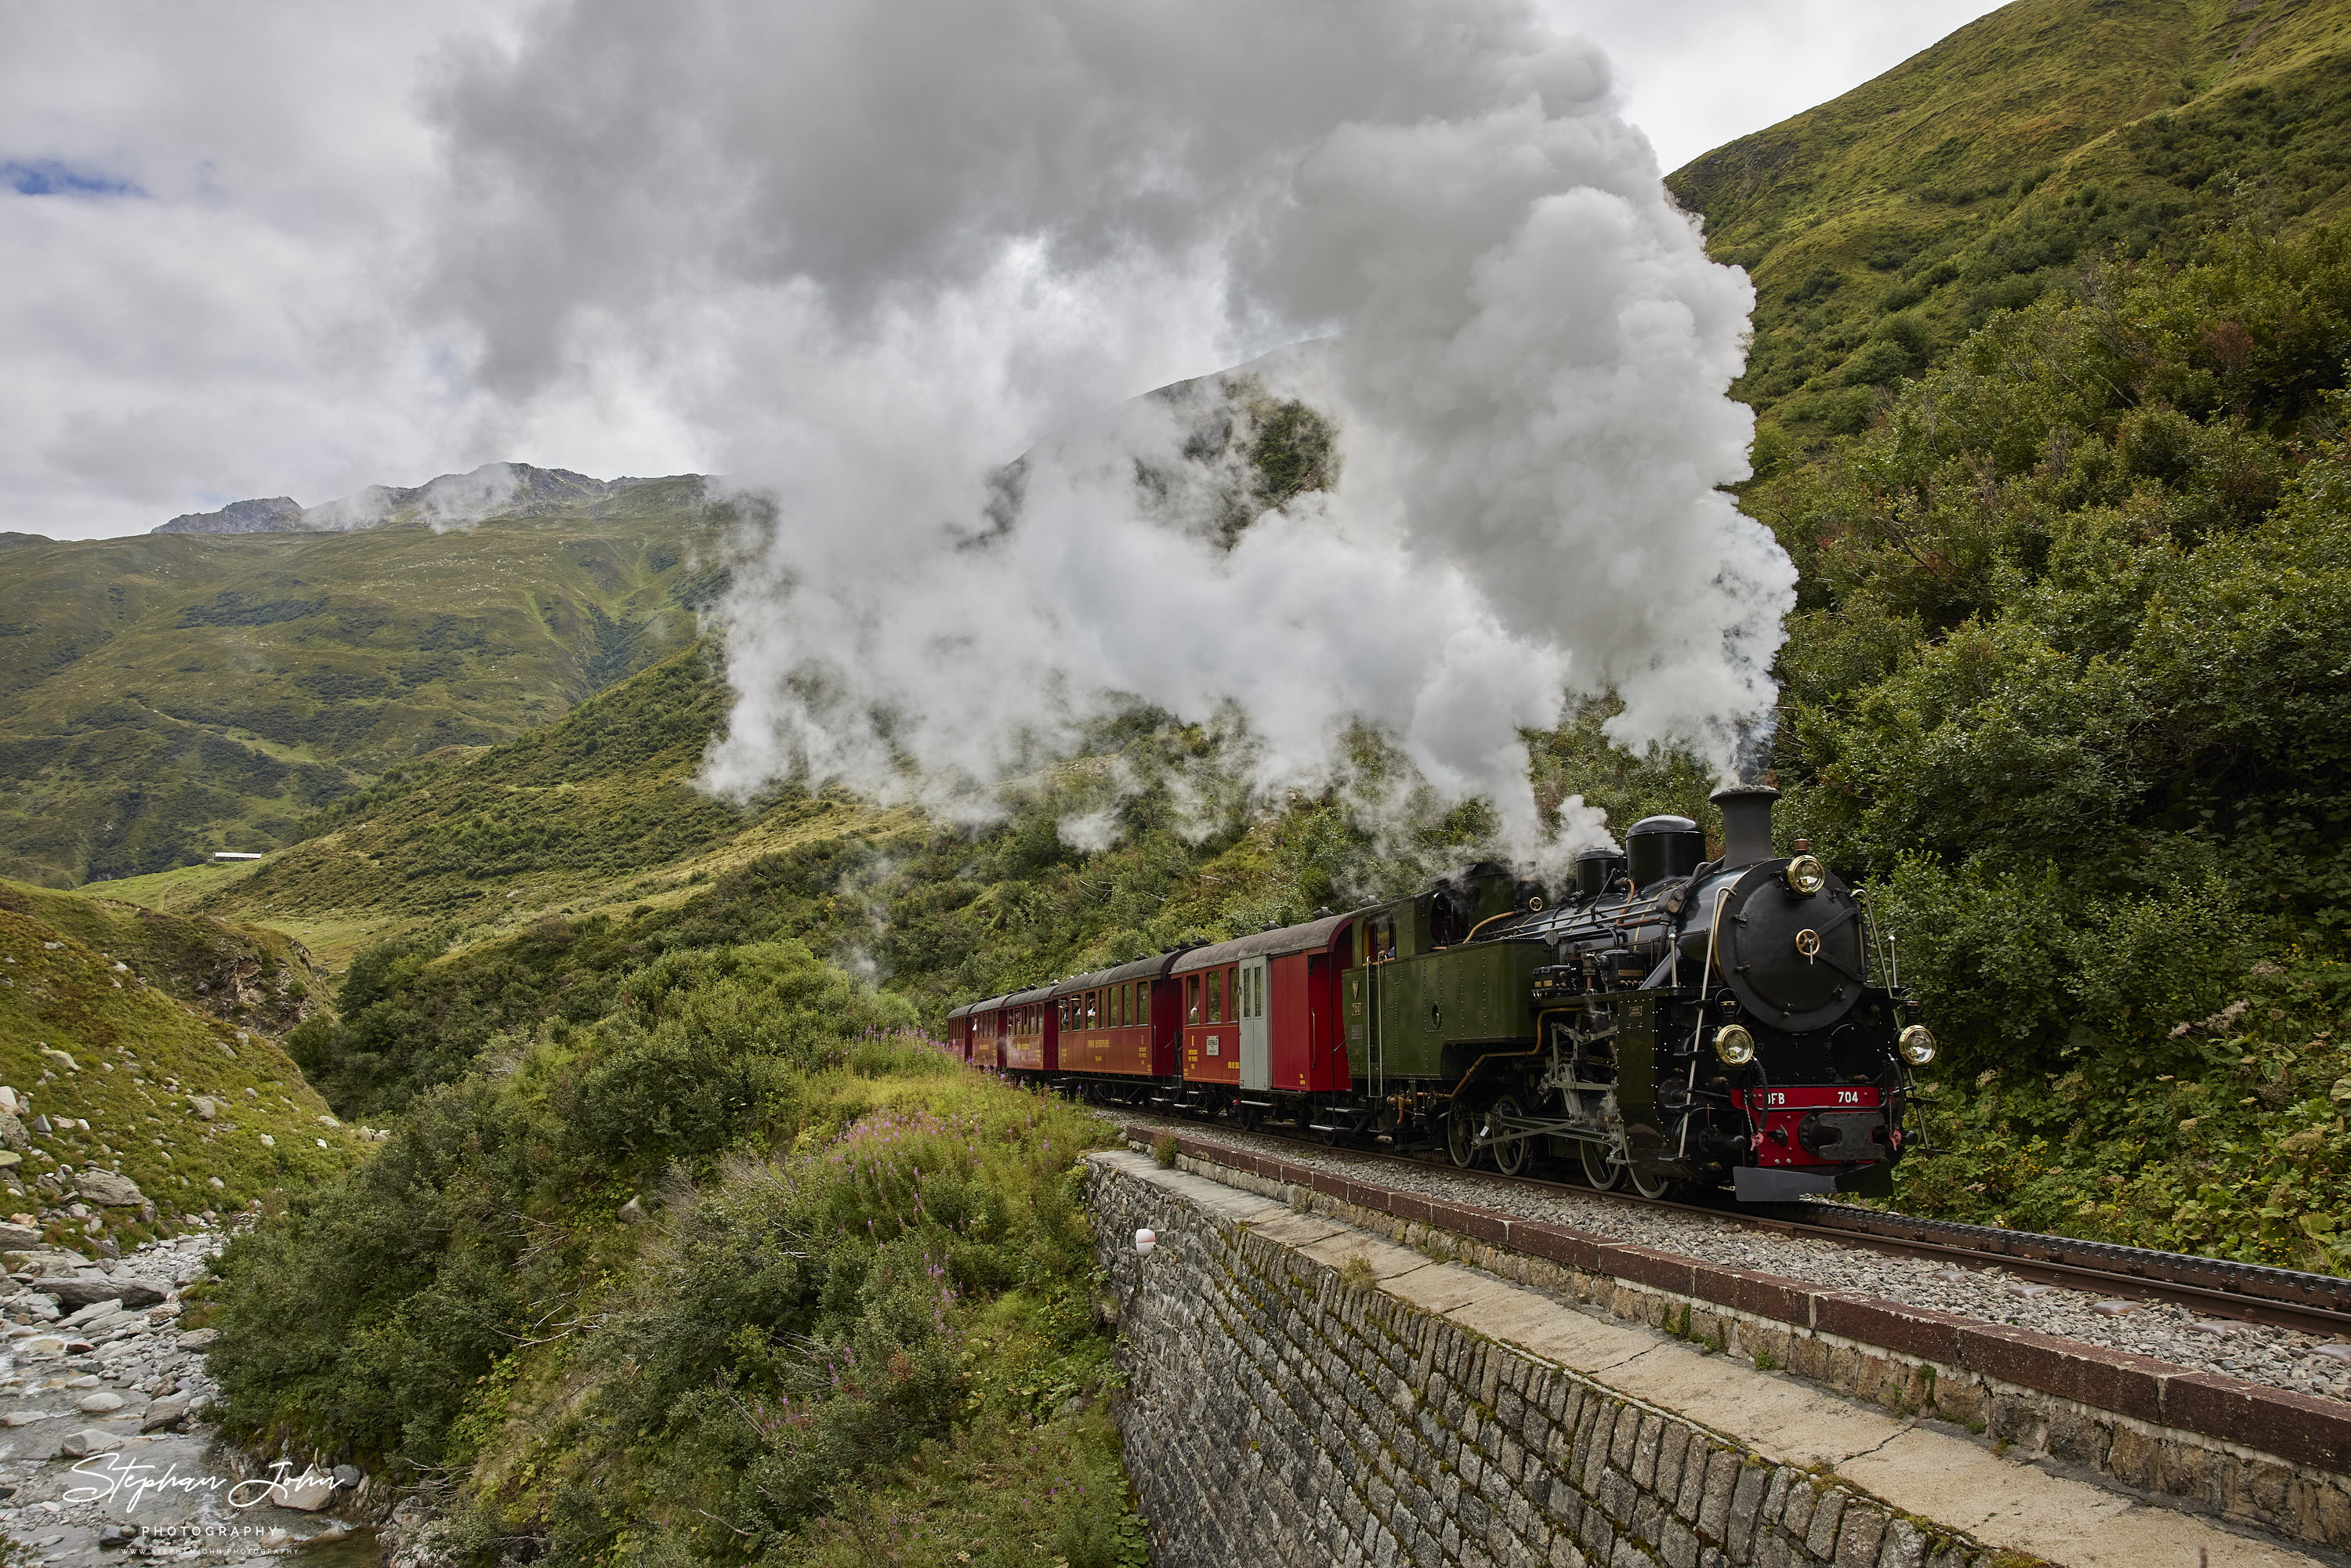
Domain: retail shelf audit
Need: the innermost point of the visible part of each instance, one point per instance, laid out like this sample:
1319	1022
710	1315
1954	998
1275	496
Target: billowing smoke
877	253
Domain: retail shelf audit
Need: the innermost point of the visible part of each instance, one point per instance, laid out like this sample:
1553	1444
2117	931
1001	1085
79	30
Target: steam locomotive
1672	1021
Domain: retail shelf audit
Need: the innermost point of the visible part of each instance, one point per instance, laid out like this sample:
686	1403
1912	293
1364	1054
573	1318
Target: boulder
34	1307
164	1414
204	1106
13	1134
349	1475
107	1187
85	1316
106	1402
42	1344
79	1293
631	1213
12	1101
113	1535
16	1238
198	1339
309	1492
89	1440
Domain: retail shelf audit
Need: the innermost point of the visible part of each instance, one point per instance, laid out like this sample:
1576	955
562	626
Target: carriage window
1191	999
1126	1004
1093	1009
1215	995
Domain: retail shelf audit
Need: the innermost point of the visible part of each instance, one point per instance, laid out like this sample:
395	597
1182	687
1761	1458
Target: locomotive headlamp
1806	875
1917	1045
1733	1045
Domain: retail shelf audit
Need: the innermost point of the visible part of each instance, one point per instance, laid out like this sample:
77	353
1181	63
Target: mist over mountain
452	500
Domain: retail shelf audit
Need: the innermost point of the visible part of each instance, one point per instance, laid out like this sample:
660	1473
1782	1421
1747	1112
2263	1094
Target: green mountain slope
168	694
598	809
240	974
90	1042
1882	227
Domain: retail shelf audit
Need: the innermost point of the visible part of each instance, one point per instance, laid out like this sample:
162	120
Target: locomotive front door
1257	1046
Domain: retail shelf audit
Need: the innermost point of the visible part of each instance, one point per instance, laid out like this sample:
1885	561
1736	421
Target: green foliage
2236	1148
857	1250
1296	451
1982	174
2066	685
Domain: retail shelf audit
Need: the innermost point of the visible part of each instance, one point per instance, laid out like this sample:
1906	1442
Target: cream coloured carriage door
1257	1049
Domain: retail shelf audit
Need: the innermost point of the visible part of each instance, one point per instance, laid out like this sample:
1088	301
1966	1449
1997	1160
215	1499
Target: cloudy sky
243	244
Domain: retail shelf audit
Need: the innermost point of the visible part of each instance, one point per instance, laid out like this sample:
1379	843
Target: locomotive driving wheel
1511	1155
1650	1184
1461	1135
1598	1171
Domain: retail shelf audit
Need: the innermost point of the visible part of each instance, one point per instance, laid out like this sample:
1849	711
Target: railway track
2318	1305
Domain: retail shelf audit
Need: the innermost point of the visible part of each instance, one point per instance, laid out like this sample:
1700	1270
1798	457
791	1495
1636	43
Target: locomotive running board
1764	1184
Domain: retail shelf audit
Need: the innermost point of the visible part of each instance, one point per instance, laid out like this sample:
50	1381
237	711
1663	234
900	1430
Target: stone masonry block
1859	1537
1644	1451
1627	1440
1673	1443
1905	1546
1746	1508
1820	1537
1615	1496
1714	1506
1691	1493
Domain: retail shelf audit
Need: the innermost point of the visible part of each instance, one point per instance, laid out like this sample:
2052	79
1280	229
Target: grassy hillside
1883	226
166	695
91	1042
599	811
245	975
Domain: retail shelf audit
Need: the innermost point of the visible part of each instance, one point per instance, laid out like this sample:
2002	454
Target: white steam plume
878	251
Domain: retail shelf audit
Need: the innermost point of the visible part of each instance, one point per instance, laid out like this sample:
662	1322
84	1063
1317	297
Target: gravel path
2279	1357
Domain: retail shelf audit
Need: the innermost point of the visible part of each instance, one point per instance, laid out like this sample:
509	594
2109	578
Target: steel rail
2252	1292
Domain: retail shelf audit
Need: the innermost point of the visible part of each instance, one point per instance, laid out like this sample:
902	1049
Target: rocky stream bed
105	1456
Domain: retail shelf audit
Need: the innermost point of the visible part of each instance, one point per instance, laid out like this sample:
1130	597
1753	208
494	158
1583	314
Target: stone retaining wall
1282	1411
2241	1451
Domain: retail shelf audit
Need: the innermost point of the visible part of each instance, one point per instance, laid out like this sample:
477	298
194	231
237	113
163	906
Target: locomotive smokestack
1746	823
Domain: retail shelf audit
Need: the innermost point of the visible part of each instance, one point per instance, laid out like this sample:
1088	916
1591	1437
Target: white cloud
241	330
